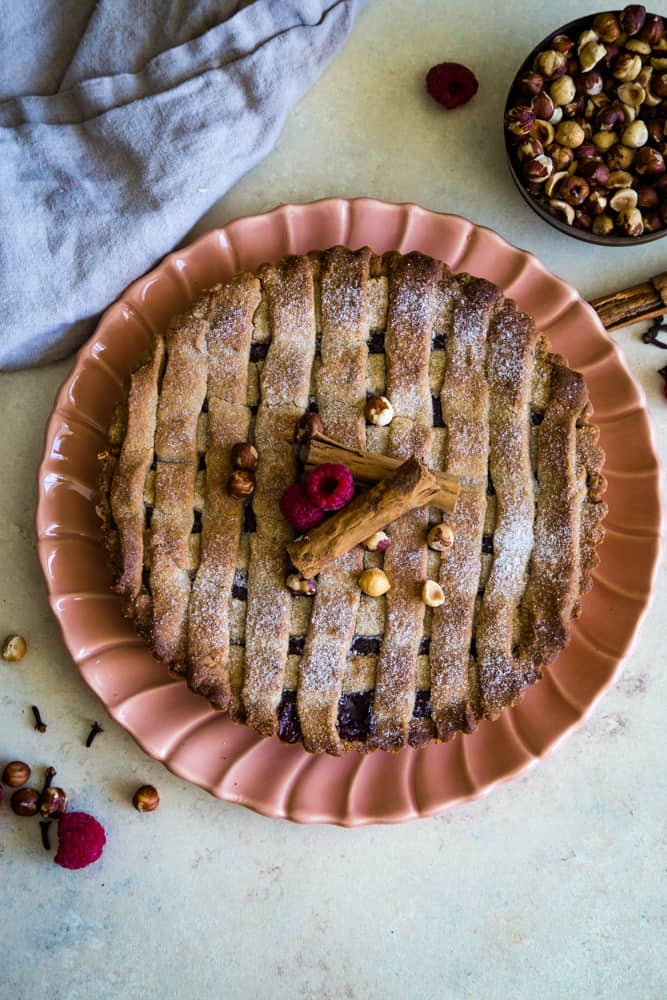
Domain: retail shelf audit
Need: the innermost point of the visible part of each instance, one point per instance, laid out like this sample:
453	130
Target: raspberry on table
330	486
81	840
451	84
296	507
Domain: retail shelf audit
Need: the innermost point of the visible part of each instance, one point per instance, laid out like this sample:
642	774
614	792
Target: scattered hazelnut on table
25	802
241	484
146	799
309	424
53	802
16	774
374	582
13	648
432	594
379	411
377	542
244	455
440	537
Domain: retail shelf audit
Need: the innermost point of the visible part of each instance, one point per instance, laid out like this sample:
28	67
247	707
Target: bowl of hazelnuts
585	128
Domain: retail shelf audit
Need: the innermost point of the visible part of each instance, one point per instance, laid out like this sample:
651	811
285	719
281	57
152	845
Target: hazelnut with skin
537	169
619	157
146	799
374	582
647	196
241	484
309	424
16	774
25	802
652	220
610	117
299	585
630	221
244	455
562	43
13	648
377	542
606	27
632	18
440	537
529	148
53	802
574	190
590	83
561	156
520	119
379	411
597	202
595	172
653	30
587	151
649	162
530	83
658	86
551	63
542	106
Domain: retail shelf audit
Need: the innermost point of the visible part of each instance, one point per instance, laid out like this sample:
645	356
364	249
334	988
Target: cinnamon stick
633	305
368	468
412	485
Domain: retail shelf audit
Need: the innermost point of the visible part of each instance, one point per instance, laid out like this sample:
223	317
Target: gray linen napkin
121	123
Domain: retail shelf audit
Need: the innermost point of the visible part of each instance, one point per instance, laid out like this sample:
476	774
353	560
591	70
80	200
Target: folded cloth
121	123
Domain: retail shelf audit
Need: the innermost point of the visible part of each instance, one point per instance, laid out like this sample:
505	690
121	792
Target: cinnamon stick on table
367	467
412	485
633	305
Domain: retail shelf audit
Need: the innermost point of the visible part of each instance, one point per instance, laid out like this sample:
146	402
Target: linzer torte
441	401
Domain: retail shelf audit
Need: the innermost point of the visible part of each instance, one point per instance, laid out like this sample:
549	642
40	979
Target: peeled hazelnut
298	585
575	109
649	162
604	140
241	483
562	91
632	18
432	594
538	169
597	202
556	117
630	222
647	196
653	30
591	54
574	190
13	648
619	157
590	83
440	537
529	148
310	423
16	774
244	455
562	43
619	179
379	411
638	46
631	93
530	83
552	182
53	802
586	37
542	106
146	799
595	172
544	131
25	802
603	225
520	119
561	156
635	135
561	209
378	542
570	134
658	63
623	199
374	582
551	63
607	27
630	112
627	66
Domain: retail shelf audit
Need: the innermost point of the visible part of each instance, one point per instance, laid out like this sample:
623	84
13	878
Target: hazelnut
604	140
562	43
309	424
561	209
379	411
619	179
562	91
661	187
244	455
586	37
378	542
609	117
637	45
632	18
561	156
556	117
542	106
440	537
582	219
16	774
374	582
146	799
298	585
623	199
647	196
570	134
630	222
603	225
590	83
658	63
552	182
597	202
529	148
658	87
630	112
13	648
520	119
631	93
574	190
607	27
652	220
551	63
653	30
635	135
53	802
595	172
649	162
538	169
530	83
544	131
25	802
241	483
587	151
432	594
591	54
619	157
627	66
656	132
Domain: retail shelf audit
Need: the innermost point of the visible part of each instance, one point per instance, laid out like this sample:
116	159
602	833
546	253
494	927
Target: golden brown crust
476	392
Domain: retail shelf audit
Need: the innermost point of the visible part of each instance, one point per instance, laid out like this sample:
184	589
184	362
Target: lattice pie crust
475	392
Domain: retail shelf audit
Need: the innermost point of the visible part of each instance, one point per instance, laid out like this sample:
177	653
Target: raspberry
298	510
330	486
451	84
81	840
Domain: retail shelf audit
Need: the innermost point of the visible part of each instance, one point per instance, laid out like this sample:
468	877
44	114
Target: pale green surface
551	887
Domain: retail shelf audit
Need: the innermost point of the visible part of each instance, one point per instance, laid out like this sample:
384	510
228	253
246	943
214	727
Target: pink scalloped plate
179	728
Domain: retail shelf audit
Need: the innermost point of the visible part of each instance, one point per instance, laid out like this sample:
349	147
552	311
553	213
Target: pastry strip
230	327
285	382
413	281
465	401
341	396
